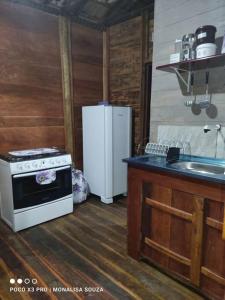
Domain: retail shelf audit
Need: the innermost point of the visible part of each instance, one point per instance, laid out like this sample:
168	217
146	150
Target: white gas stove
35	186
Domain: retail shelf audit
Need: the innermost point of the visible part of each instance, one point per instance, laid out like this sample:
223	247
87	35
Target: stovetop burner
30	154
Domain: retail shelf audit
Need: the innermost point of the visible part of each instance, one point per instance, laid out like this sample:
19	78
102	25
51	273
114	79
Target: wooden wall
172	20
126	69
87	77
31	107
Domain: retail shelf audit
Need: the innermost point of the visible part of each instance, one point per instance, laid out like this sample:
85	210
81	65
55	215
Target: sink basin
199	167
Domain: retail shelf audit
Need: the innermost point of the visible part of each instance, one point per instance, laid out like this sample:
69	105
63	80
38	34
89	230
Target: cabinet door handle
223	236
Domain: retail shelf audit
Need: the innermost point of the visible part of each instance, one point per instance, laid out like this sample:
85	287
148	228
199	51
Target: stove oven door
30	190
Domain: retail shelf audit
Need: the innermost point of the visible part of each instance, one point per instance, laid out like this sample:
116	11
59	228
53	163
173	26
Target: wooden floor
84	249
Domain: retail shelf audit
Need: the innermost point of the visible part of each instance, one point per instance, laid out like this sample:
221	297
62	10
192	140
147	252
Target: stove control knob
27	166
52	162
35	165
20	167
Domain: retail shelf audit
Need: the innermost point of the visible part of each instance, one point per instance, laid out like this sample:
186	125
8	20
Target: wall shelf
195	64
189	66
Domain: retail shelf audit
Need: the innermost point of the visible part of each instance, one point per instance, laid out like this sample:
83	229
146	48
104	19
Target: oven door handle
35	173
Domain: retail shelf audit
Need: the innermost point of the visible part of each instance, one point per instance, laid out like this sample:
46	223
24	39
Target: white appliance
106	141
35	186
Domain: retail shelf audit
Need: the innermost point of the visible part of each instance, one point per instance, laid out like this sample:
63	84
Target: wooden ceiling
98	14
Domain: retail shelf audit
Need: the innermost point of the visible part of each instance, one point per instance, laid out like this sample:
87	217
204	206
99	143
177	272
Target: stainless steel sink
199	167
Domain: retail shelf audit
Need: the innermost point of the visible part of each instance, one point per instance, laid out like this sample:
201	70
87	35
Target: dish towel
45	177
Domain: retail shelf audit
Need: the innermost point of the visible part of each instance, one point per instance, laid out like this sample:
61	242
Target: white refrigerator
106	141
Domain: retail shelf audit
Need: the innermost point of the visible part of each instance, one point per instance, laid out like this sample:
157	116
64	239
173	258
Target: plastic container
80	186
205	50
205	35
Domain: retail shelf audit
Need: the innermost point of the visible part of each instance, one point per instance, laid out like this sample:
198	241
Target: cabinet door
213	262
172	230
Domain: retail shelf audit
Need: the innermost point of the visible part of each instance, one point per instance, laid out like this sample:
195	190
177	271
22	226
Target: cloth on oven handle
46	177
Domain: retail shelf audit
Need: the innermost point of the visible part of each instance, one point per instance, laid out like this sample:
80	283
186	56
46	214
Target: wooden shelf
195	64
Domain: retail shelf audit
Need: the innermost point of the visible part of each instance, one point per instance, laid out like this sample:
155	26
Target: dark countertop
159	163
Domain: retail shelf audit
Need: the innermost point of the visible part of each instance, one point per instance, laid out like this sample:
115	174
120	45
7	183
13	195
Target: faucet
208	128
216	127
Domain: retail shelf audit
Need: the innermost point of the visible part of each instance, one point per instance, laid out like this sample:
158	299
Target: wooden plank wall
67	81
173	19
87	77
31	107
125	69
126	63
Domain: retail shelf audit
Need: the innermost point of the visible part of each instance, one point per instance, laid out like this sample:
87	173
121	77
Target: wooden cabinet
175	230
176	223
213	256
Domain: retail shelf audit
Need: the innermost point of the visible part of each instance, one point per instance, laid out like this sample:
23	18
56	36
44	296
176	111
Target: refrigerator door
121	147
93	118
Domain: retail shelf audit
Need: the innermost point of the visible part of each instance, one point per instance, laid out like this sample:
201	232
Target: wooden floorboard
83	249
